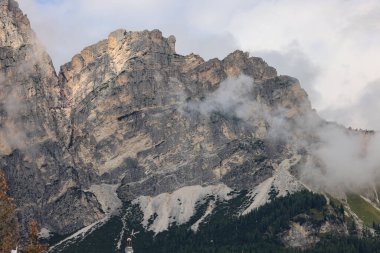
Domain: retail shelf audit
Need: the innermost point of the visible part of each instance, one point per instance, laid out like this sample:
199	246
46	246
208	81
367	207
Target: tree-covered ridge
227	231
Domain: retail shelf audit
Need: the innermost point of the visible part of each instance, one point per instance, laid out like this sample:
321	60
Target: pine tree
33	245
8	221
376	227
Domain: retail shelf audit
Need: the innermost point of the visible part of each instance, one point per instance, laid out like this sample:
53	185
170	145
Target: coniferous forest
257	232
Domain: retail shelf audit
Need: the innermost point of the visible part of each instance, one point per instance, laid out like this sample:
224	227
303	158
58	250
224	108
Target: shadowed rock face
42	176
129	111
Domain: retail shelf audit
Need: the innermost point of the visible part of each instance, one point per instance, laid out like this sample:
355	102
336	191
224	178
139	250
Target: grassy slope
364	210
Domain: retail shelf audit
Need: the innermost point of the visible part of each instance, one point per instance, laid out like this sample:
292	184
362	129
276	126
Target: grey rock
118	114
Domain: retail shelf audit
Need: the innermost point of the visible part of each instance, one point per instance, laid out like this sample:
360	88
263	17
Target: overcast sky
331	46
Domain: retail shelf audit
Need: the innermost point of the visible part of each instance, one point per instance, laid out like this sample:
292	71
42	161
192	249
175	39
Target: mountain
129	124
39	167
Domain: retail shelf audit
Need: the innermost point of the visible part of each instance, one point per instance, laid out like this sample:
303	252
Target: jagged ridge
129	117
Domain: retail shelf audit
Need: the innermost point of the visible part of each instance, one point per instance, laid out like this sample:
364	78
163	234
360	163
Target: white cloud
364	112
339	160
340	38
332	46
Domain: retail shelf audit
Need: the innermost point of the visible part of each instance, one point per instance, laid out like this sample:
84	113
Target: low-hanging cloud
233	97
16	90
11	133
343	160
236	98
338	158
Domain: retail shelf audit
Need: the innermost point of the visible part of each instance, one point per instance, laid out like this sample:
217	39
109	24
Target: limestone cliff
127	119
130	116
42	176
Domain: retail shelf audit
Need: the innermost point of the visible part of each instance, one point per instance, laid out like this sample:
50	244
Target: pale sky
331	46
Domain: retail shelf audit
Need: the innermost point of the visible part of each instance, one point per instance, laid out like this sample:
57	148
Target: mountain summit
128	120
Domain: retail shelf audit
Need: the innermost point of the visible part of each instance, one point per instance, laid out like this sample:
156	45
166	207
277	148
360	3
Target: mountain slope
38	167
128	120
224	230
129	114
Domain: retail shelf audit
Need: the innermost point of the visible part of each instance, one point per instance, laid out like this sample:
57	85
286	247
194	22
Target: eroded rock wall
130	114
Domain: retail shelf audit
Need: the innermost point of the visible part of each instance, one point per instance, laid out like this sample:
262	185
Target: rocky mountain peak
128	116
28	82
131	129
120	52
15	25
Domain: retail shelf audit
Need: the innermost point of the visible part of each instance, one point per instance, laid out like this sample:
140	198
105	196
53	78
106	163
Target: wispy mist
10	133
234	97
337	159
17	89
343	160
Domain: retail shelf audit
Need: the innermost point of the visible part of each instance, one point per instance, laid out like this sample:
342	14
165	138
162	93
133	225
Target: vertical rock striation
130	114
38	167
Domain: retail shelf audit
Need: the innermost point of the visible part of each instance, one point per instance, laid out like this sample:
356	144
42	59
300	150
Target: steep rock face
28	81
129	106
130	115
38	168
